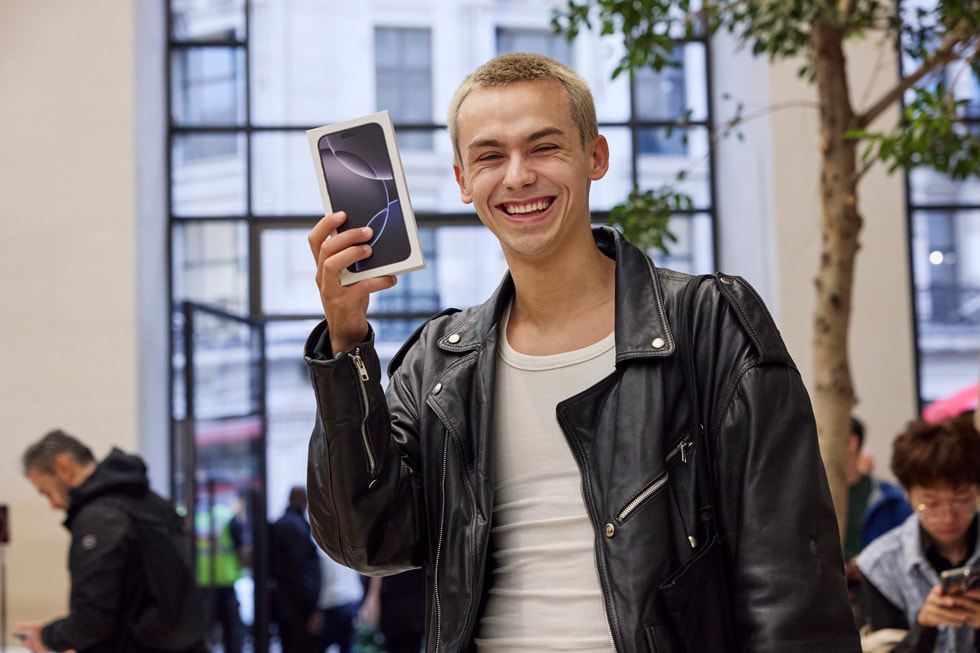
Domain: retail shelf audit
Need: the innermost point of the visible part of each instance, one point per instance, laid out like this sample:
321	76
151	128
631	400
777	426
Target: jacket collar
642	329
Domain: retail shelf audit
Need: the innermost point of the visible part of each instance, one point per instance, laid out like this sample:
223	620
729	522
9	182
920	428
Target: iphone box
360	172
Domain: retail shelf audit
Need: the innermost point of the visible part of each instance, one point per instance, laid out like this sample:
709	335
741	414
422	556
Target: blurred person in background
874	506
340	597
222	554
295	577
132	583
938	466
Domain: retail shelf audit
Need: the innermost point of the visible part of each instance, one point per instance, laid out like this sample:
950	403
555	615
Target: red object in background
951	406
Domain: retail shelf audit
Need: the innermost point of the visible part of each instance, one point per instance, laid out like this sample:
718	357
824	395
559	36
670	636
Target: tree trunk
833	390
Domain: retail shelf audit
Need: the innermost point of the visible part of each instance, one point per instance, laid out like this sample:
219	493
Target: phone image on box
360	181
959	580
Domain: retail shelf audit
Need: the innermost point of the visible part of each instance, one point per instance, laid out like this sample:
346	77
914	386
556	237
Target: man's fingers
322	230
330	266
324	241
375	284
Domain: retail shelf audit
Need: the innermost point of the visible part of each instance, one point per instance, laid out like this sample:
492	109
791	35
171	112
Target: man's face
945	512
52	486
524	167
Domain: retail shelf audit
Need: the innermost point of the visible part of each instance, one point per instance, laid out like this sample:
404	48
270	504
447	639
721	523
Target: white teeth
527	208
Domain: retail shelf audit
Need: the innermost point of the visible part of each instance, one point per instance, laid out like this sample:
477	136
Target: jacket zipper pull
684	446
359	364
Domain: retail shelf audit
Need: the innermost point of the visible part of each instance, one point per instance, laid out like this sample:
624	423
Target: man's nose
518	172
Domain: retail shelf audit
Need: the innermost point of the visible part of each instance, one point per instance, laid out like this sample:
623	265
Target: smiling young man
604	455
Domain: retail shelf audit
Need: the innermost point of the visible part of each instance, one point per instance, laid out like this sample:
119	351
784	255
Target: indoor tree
939	41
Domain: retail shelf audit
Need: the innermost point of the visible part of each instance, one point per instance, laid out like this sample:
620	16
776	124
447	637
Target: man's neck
81	474
564	304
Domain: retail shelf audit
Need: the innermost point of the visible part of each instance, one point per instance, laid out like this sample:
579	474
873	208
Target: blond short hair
524	67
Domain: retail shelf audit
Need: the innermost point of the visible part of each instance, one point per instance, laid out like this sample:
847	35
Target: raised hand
344	307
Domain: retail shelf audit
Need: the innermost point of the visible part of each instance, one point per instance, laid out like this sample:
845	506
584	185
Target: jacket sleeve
99	557
882	613
775	511
363	501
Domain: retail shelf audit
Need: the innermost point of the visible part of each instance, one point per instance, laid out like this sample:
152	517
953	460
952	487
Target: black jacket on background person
108	581
295	568
406	481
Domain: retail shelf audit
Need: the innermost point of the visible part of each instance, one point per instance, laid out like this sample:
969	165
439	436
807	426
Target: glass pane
654	170
669	93
208	175
429	174
310	64
288	273
283	175
208	86
693	253
616	185
664	153
403	80
291	407
217	20
210	264
539	41
464	265
947	287
926	186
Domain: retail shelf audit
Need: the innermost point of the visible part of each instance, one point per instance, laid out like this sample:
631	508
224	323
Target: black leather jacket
405	481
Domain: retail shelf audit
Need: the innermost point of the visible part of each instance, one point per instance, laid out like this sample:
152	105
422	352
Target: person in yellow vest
221	553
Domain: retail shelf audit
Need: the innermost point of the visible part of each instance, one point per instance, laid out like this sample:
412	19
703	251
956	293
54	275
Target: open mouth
527	209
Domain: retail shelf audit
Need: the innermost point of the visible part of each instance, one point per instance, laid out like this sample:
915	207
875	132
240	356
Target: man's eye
489	156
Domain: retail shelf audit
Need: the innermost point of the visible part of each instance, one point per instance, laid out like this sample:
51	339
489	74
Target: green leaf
644	217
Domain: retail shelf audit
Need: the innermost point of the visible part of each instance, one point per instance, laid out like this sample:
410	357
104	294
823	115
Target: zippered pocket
679	452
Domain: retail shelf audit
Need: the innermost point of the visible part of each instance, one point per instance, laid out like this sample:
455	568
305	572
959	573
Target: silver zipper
680	450
363	378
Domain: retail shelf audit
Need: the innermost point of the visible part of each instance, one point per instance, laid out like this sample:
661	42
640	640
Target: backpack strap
704	473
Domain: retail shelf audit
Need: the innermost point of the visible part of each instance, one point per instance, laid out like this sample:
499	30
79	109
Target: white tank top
544	587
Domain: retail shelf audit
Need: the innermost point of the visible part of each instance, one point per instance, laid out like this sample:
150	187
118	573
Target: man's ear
463	189
64	467
600	158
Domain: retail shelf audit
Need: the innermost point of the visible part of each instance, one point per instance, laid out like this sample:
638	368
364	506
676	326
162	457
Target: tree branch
943	54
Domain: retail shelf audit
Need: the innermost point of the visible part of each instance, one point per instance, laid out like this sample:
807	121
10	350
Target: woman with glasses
938	466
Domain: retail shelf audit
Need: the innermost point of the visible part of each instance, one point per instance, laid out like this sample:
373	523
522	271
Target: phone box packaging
360	172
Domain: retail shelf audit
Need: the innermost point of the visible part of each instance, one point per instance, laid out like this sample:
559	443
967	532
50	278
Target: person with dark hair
128	555
604	455
295	577
874	506
938	466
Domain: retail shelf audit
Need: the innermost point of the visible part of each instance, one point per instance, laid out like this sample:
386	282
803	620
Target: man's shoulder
887	550
436	327
720	302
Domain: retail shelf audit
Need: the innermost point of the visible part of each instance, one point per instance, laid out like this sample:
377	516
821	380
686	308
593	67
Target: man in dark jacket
295	577
604	455
112	604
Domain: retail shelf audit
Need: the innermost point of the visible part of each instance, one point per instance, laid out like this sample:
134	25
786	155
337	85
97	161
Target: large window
944	225
247	79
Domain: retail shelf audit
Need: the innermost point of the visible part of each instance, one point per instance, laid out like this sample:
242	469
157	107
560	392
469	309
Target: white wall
70	355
